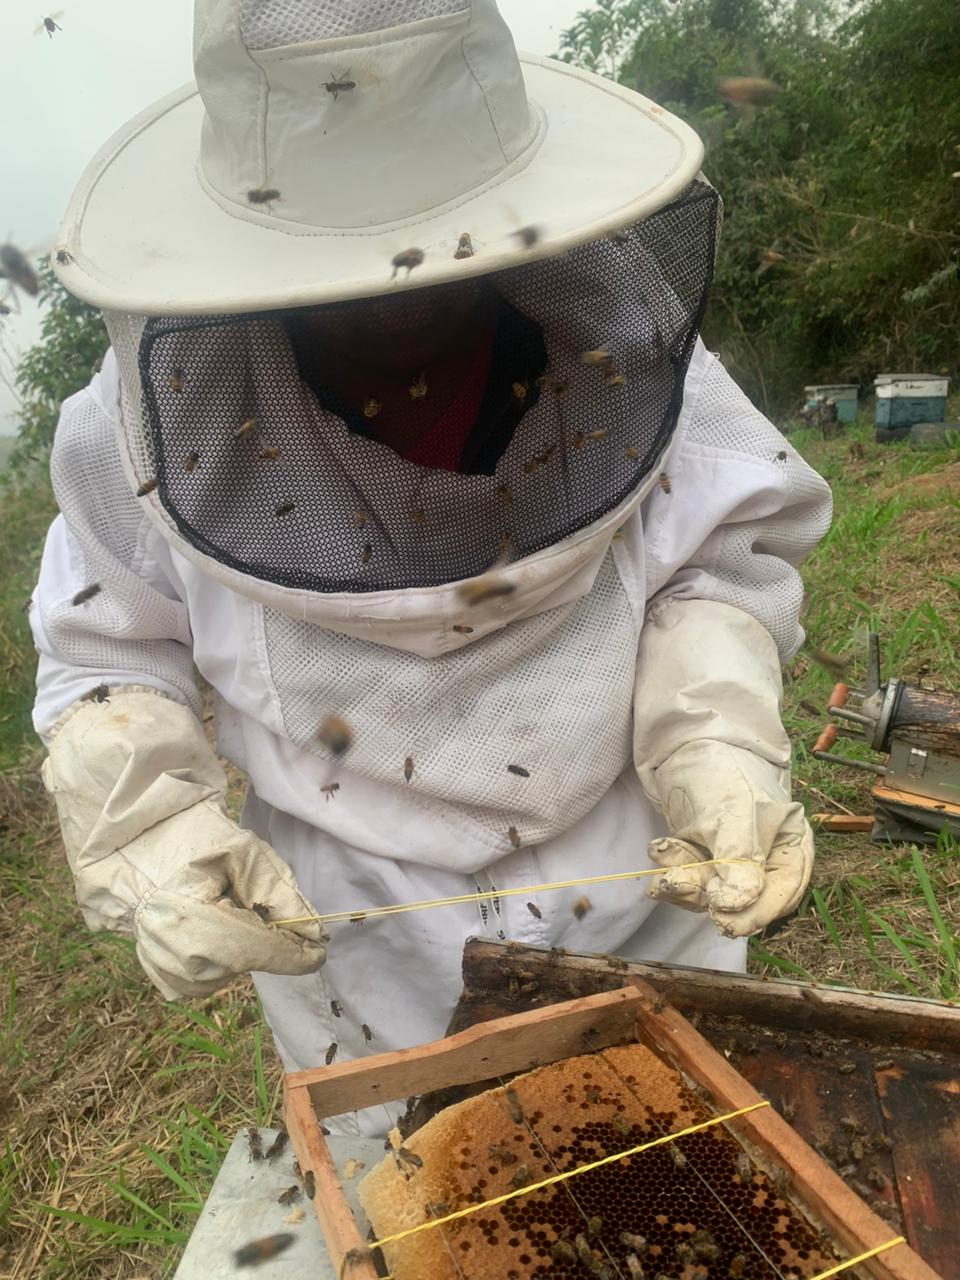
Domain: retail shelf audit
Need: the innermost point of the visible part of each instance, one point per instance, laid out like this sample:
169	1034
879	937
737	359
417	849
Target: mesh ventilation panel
265	24
300	500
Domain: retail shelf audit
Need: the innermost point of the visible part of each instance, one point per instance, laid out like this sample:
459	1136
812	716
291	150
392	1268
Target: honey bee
290	1196
596	359
677	1156
15	267
738	1267
359	918
99	693
408	258
257	1251
418	388
847	1068
276	1146
514	835
262	195
664	482
352	1167
87	593
340	84
436	1209
359	519
592	1095
885	1064
579	440
620	1125
519	390
464	246
781	456
418	516
518	770
539	460
594	1226
371	408
501	1152
487	586
581	907
366	553
329	789
705	1247
256	1143
62	257
148	486
329	1056
513	1105
634	1267
284	509
5	311
269	452
310	1184
335	734
615	380
505	494
49	24
461	630
367	1033
260	909
250	424
877	1178
744	91
408	765
534	910
407	1161
562	1251
637	1243
176	381
191	460
521	1177
528	236
598	435
336	1008
584	1252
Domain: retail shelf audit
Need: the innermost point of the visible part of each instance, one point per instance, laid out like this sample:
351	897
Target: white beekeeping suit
605	700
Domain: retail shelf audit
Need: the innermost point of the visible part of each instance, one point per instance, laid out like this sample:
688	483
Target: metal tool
917	792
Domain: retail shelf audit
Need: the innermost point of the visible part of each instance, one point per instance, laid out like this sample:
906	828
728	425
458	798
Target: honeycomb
696	1209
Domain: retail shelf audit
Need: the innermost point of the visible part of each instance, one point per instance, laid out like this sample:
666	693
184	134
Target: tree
840	249
73	341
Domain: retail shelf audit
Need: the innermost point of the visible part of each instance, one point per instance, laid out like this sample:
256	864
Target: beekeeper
406	422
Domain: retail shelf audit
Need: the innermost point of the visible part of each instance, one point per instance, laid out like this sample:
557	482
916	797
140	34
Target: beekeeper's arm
710	748
139	792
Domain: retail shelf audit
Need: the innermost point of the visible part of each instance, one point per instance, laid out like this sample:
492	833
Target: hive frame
524	1041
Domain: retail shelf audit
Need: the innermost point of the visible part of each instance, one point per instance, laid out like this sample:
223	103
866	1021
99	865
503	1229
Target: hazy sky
61	98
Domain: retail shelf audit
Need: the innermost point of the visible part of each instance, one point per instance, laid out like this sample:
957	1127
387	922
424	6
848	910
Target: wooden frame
522	1041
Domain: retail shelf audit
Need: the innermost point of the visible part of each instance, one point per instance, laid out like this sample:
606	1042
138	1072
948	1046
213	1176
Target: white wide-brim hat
346	148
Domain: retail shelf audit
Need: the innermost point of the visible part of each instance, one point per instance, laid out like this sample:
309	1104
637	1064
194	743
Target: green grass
116	1108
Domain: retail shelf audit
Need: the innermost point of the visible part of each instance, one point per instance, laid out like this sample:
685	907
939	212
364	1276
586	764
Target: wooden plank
329	1202
501	1047
842	822
489	966
849	1220
922	1112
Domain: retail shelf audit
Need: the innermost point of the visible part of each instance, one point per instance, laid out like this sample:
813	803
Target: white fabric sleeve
135	629
743	509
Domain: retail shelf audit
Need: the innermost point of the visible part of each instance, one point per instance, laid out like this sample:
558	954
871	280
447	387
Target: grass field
116	1108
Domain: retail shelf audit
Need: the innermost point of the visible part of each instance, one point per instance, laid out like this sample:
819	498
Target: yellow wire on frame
861	1257
336	916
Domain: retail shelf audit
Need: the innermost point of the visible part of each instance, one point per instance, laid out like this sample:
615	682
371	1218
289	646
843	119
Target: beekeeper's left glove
154	854
712	754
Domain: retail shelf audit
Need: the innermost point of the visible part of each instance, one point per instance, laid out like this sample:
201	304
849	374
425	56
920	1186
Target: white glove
140	797
712	754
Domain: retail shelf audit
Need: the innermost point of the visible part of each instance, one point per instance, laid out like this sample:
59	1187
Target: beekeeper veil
365	150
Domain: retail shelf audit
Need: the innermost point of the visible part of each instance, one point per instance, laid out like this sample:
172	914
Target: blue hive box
906	398
843	395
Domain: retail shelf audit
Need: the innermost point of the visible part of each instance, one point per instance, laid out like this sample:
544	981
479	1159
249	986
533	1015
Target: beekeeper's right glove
140	796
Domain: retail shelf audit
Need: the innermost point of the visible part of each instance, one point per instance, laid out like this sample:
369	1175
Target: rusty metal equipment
917	792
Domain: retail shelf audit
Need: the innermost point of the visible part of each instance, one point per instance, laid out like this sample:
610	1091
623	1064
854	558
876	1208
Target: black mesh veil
261	473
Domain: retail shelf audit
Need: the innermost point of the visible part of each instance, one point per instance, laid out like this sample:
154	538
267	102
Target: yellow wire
562	1177
398	907
861	1257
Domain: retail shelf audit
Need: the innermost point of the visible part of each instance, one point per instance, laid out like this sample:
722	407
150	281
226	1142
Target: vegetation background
839	260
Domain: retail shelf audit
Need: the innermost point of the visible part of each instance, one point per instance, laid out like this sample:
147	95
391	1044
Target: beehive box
906	398
843	394
749	1188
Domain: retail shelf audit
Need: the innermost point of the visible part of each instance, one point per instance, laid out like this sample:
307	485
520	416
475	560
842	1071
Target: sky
61	98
